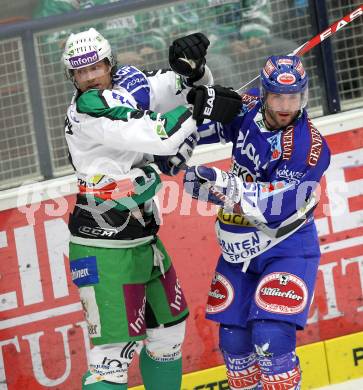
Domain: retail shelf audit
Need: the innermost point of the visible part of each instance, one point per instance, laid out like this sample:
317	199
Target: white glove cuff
207	78
222	178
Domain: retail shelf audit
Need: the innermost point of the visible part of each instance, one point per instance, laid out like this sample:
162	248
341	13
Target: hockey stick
307	46
287	227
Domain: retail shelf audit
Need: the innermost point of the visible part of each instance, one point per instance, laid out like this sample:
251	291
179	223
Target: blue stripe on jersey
135	82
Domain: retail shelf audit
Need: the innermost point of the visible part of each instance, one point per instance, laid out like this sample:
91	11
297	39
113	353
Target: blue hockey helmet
285	75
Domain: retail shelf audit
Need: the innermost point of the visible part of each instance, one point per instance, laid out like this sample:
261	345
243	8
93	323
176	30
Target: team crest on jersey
260	123
160	128
282	293
276	149
221	294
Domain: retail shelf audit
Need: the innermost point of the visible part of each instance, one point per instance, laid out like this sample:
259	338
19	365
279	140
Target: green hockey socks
160	375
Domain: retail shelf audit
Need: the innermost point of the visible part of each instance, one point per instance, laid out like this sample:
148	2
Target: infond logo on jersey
139	324
210	101
84	59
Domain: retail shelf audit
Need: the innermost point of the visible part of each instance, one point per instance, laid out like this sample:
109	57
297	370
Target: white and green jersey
112	134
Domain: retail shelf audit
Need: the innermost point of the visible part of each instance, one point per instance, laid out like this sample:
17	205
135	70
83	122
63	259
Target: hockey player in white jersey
119	121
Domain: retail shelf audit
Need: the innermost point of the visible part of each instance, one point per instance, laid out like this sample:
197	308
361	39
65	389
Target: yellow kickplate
345	357
313	365
212	378
322	363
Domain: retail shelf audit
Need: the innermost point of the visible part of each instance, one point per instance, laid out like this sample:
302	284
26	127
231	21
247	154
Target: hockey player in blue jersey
265	276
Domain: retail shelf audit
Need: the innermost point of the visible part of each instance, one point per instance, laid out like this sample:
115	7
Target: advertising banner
43	334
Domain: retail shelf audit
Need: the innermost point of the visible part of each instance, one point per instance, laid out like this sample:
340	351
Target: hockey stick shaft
290	225
307	46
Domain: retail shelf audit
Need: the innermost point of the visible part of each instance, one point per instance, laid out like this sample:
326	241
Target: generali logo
287	142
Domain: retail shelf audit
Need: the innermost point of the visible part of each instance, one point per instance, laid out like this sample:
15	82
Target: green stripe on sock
160	375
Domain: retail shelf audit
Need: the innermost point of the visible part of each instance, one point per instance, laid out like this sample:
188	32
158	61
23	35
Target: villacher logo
282	293
220	295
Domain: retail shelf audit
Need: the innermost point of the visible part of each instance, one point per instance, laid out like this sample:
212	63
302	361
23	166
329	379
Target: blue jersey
279	169
158	91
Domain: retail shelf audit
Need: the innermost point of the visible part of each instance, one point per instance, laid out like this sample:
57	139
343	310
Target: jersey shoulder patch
248	102
135	82
100	103
247	98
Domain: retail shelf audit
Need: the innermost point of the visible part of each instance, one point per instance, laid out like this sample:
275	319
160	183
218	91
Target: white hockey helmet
86	48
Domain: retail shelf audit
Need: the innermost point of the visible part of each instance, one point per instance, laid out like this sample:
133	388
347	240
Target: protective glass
91	72
287	102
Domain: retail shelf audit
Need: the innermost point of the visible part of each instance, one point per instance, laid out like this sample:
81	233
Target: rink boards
43	334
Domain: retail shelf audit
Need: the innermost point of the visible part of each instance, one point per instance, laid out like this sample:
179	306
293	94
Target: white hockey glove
214	185
187	56
172	165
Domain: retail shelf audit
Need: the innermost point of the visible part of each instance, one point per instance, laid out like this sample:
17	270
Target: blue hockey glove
172	165
213	185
